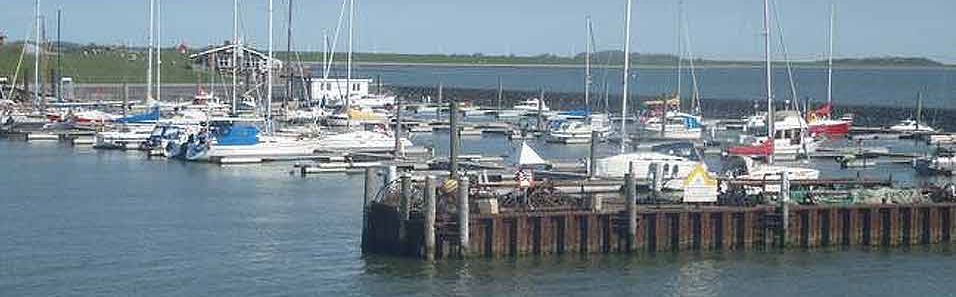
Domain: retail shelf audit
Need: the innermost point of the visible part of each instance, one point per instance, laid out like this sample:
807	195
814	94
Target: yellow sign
700	186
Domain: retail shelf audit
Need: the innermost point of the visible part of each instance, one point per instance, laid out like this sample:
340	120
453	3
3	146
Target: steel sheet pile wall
671	230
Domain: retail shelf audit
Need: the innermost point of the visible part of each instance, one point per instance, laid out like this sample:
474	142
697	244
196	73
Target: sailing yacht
360	141
821	121
677	161
790	139
911	125
789	135
240	138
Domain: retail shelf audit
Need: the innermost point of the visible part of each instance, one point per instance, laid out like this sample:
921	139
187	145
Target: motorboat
911	126
943	161
675	160
532	105
579	131
676	125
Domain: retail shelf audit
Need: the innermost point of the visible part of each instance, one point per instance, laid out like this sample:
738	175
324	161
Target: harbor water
81	222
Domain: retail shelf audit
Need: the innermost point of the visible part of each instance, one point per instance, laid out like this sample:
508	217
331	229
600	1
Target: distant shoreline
646	66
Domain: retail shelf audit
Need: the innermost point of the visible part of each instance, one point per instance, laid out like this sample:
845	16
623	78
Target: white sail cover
528	156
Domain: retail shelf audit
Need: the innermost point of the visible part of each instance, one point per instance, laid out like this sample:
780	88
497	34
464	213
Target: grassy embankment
103	64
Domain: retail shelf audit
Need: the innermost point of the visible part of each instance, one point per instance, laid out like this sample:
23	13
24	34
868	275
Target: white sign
700	187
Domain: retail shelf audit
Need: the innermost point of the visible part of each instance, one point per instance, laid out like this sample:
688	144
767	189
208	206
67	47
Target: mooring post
399	149
785	206
592	166
453	146
369	190
541	112
630	201
429	217
657	179
406	193
463	215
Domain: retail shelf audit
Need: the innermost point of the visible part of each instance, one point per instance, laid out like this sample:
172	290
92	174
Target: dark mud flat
870	116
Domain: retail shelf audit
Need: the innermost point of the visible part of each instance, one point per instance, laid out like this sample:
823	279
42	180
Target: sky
725	29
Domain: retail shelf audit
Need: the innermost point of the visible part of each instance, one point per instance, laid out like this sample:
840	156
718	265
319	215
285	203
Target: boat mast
158	48
766	36
235	57
36	58
587	68
680	53
325	54
269	74
830	59
348	77
627	62
149	52
499	96
288	54
59	72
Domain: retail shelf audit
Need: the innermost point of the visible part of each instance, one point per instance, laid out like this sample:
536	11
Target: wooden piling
630	205
453	138
429	218
463	213
399	149
403	211
592	166
369	190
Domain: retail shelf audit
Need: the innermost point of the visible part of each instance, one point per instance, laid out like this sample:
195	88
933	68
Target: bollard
785	206
463	213
369	190
592	166
429	217
630	201
391	174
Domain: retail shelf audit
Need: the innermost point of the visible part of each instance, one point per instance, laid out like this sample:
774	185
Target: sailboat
821	121
676	161
914	125
786	137
665	116
129	136
239	138
579	130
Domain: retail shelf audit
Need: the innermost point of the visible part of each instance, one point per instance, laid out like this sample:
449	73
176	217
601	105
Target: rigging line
786	55
693	69
335	41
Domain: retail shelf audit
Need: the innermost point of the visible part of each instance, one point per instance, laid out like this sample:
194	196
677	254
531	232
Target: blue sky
726	29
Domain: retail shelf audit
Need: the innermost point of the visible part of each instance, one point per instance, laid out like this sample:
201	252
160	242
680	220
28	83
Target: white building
337	88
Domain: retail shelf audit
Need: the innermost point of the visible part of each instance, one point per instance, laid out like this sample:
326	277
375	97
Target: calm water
880	87
79	222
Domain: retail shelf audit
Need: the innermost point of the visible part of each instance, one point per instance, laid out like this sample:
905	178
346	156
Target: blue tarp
238	135
148	117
